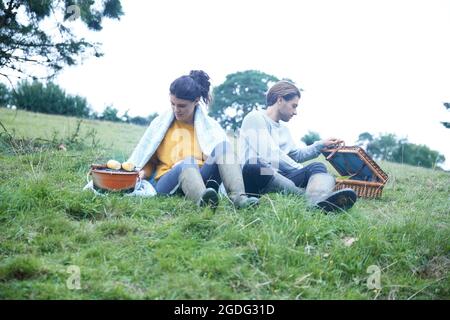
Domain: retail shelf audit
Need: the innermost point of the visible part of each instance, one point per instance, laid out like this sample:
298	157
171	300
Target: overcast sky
364	65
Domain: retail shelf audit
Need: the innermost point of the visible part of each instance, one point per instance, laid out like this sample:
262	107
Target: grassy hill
117	137
166	248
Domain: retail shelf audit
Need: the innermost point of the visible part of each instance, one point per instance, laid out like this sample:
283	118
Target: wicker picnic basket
361	172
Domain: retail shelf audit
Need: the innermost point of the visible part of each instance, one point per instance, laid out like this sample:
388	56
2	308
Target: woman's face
183	109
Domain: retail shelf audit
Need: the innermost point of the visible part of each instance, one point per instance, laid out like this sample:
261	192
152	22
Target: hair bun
200	76
202	80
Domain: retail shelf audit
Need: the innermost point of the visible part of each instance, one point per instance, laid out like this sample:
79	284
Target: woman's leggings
168	183
255	182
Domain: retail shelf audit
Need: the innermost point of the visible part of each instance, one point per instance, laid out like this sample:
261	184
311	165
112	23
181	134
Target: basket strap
358	171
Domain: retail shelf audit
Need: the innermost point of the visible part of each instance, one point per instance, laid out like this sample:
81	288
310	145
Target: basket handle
339	146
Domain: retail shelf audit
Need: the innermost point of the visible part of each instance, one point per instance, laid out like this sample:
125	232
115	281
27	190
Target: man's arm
314	150
307	153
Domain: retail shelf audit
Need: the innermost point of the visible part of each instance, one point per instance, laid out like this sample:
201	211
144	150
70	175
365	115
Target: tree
384	147
126	117
238	95
138	120
310	138
446	124
390	148
77	106
110	114
5	95
48	98
365	137
141	121
26	44
418	155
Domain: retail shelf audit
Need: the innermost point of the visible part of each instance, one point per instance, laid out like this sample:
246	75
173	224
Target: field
53	234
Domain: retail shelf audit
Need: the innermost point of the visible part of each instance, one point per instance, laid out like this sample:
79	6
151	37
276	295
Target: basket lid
355	163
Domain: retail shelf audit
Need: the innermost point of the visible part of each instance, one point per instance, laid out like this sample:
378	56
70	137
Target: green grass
166	248
119	138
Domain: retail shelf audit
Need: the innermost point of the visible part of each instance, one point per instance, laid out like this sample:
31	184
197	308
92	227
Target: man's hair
285	89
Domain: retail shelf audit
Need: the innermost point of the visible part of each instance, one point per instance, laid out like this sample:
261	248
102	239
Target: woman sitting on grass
185	148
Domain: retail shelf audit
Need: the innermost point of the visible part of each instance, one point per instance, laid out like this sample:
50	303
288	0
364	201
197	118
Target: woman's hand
330	142
141	174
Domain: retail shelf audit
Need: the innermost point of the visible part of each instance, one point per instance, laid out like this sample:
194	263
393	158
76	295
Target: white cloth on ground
143	188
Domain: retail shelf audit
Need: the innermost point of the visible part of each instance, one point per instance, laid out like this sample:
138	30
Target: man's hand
331	142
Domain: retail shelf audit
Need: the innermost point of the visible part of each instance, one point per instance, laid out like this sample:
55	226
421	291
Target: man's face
288	109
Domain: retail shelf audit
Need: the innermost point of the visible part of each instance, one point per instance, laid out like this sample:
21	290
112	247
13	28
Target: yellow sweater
179	143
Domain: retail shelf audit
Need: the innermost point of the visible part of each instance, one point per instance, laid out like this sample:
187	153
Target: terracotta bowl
113	180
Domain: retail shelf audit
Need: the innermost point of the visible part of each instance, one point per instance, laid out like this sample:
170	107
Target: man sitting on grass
272	161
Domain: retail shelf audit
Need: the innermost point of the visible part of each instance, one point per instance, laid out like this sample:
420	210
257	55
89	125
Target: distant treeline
52	99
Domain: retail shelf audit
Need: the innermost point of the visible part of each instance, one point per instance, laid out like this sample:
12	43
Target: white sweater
263	138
